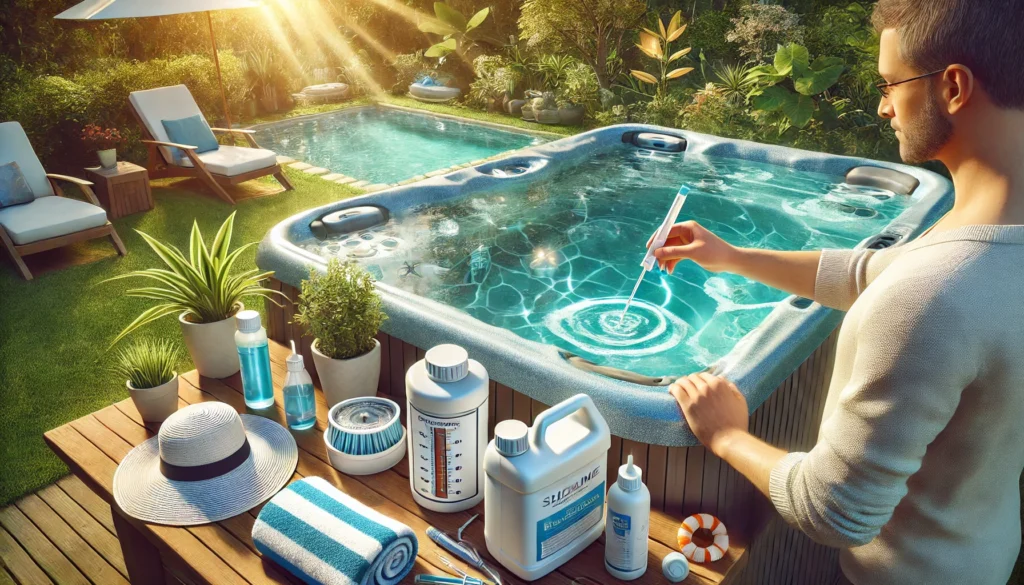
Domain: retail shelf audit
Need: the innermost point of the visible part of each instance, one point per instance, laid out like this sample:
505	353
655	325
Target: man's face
913	108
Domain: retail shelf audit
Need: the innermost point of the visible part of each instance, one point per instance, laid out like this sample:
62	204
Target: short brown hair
985	35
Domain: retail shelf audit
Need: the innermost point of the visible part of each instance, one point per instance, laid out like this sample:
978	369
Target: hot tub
526	261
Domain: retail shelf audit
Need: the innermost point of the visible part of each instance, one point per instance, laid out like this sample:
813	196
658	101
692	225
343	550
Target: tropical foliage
458	33
794	84
658	46
201	285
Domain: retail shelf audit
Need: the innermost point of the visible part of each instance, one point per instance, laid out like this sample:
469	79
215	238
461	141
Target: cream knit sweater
915	473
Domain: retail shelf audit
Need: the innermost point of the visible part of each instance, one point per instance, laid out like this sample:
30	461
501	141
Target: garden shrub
406	68
494	77
708	33
762	27
53	111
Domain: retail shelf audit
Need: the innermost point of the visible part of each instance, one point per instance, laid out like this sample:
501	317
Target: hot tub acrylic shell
760	361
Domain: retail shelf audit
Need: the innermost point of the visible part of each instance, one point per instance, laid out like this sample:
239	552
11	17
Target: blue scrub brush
364	435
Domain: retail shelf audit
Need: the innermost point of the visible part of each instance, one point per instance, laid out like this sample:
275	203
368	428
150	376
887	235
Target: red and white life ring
703	554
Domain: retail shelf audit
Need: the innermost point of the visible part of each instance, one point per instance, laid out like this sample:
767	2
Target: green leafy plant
579	86
761	27
147	363
457	32
553	69
341	309
735	81
793	86
657	46
200	285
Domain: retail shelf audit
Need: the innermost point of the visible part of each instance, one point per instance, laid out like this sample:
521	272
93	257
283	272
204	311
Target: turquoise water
257	385
554	260
386	145
299	406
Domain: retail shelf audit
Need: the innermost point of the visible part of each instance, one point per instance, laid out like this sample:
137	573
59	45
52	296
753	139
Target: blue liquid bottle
254	355
299	403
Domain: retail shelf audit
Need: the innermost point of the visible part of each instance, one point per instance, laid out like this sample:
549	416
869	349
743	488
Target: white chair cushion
49	217
236	160
163	103
14	146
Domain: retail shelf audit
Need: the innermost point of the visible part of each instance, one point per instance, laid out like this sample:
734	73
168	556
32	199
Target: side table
122	190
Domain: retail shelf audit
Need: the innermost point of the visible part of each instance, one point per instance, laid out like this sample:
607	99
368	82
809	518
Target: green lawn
54	366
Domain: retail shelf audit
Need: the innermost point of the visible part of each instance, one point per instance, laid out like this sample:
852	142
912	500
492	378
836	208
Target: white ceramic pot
156	404
212	346
108	158
351	378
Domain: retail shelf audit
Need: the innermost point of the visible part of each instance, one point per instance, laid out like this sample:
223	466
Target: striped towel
325	536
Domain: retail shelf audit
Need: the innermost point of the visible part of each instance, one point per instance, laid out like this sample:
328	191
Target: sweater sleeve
844	274
913	360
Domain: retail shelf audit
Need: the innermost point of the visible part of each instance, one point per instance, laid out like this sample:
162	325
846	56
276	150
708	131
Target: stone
284	160
437	172
332	176
359	184
300	166
345	181
375	187
316	171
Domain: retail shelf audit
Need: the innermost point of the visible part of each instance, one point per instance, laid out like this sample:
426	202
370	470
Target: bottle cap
510	437
248	321
630	476
447	363
294	361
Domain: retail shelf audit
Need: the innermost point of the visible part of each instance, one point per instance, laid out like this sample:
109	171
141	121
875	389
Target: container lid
248	321
630	476
510	437
294	361
447	363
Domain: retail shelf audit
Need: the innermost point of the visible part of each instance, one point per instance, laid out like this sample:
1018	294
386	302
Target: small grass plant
341	309
147	363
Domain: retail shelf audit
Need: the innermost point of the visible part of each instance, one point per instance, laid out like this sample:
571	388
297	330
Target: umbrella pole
220	80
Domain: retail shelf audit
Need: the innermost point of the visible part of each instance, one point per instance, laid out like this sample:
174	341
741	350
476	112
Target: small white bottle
628	523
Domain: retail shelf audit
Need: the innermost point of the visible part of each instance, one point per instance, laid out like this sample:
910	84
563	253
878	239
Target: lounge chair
51	220
228	165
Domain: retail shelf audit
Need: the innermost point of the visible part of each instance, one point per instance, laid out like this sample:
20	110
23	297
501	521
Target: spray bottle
629	515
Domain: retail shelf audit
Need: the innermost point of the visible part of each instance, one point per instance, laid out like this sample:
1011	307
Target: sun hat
206	464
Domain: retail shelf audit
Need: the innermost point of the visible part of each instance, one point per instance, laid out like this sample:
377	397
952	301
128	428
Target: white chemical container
447	426
627	525
545	487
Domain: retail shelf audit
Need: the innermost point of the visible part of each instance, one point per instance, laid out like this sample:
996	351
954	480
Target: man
915	473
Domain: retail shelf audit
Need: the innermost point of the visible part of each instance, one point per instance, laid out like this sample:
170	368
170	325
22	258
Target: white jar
545	487
447	426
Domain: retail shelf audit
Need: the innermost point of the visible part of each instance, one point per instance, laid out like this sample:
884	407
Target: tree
590	29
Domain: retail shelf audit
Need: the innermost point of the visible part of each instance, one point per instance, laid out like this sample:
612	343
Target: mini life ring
703	554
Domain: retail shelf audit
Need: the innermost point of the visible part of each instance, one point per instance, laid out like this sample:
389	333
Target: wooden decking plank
88	500
35	543
20	563
5	577
91	531
89	562
94	461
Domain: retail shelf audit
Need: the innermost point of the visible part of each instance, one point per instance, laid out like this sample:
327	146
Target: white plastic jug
544	487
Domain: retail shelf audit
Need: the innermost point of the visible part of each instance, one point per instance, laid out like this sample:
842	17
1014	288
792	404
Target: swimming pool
527	260
387	144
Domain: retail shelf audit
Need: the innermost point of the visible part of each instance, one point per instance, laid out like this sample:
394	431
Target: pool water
385	145
553	260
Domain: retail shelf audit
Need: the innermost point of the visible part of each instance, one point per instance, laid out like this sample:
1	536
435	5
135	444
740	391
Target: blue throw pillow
14	189
193	131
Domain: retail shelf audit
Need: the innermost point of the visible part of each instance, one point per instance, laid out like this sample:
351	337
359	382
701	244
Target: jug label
578	511
445	452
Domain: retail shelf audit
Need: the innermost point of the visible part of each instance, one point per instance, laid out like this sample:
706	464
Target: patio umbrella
104	9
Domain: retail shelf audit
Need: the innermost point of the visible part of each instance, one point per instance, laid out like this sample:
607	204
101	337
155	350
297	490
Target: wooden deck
223	552
64	533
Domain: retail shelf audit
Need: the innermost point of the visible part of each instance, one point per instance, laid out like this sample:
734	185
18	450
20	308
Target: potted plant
204	292
578	89
148	368
341	310
104	141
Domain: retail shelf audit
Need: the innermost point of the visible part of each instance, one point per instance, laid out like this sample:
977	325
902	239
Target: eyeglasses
883	88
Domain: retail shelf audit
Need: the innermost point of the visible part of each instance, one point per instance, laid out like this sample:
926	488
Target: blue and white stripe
325	536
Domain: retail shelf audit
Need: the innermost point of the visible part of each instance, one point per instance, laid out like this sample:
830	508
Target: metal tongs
464	550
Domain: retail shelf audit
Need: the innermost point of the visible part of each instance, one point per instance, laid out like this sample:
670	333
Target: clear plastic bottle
254	355
299	402
627	527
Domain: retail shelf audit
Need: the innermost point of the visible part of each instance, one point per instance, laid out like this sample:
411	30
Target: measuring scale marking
441	475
